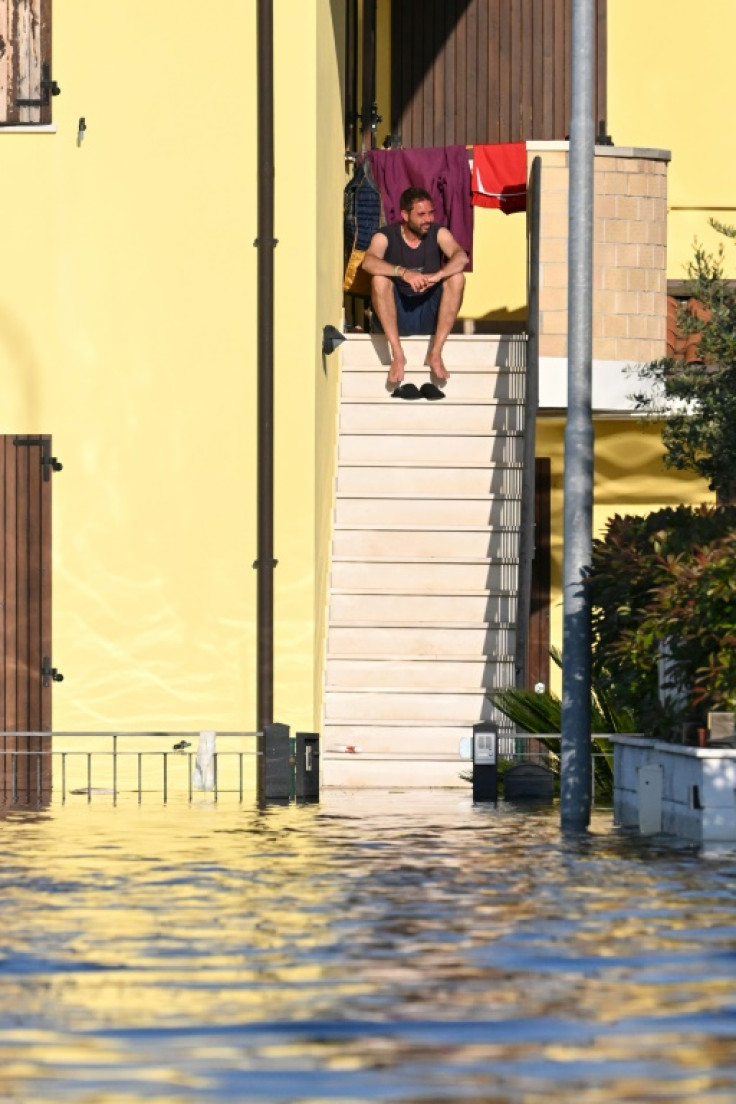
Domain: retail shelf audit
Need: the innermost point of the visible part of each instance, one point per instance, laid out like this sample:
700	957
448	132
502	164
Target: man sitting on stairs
417	281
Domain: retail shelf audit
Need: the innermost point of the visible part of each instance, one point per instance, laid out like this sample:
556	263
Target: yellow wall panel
630	478
669	86
128	331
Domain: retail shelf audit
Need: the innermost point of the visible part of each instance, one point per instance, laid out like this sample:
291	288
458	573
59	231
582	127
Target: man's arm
373	262
457	259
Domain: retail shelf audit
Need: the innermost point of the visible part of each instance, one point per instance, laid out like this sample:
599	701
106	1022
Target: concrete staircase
424	567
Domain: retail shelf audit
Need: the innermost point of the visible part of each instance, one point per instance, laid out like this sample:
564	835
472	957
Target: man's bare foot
396	371
436	365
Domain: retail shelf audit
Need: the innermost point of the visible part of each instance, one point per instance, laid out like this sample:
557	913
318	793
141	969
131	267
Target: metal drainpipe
266	245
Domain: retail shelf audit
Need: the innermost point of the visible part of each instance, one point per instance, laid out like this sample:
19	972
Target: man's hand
418	281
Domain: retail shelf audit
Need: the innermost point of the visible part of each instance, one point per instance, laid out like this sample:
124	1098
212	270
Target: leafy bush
697	402
667	577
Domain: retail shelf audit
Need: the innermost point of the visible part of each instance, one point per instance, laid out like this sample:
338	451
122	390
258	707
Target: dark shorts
415	314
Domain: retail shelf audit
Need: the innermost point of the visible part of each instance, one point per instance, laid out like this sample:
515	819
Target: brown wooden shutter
467	71
25	583
25	62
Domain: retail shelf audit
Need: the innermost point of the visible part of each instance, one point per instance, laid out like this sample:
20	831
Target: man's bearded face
420	218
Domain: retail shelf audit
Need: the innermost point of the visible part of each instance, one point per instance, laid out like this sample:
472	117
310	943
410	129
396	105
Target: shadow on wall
503	314
630	469
20	407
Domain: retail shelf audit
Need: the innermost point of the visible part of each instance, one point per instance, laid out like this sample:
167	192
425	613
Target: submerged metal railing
545	749
272	765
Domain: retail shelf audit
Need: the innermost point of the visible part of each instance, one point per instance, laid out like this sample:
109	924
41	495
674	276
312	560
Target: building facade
128	321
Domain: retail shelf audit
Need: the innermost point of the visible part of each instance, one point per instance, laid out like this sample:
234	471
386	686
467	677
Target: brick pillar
629	253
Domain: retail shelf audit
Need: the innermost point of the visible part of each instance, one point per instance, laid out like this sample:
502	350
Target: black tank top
427	257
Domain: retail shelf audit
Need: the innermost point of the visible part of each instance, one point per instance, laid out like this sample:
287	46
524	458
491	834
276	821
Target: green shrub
669	576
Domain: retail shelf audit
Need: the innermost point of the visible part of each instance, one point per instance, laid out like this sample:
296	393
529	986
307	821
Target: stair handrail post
531	404
575	787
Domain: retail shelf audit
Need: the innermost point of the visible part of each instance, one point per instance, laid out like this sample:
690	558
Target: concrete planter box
686	792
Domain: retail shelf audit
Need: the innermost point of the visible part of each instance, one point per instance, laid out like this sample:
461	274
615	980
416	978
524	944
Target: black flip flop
406	391
429	391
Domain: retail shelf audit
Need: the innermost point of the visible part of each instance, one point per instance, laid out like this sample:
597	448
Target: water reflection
409	947
25	770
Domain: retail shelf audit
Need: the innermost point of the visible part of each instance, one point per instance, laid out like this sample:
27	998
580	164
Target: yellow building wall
629	478
128	331
670	76
329	257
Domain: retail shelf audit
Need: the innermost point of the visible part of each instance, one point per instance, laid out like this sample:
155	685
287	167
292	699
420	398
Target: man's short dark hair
412	196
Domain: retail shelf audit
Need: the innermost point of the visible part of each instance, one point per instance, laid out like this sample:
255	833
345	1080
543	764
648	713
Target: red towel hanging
499	176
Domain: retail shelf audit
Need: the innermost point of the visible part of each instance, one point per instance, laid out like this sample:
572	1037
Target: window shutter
26	85
467	71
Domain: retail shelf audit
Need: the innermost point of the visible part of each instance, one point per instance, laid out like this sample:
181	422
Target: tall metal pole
578	482
265	243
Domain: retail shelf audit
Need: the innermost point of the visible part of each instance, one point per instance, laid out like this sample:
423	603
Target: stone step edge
444	560
389	722
419	690
413	624
422	691
433	465
420	403
434	431
494	496
465	369
423	592
487	435
393	756
376	657
402	527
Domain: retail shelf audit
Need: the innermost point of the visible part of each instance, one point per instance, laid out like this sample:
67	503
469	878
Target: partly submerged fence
241	766
271	765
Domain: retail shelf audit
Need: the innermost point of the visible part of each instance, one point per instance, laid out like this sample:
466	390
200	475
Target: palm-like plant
540	715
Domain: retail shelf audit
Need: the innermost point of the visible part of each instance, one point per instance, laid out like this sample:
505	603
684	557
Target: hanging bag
362	217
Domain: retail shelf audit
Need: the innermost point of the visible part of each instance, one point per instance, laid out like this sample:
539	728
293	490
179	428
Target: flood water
405	947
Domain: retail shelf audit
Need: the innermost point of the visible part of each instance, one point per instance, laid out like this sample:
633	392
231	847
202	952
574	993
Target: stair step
441	450
400	464
361	773
423	673
394	416
419	657
418	707
499	350
470	560
426	640
427	513
417	608
466	385
443	740
445	545
422	576
428	482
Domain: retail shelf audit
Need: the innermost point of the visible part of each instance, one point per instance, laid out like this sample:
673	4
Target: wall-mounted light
331	339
